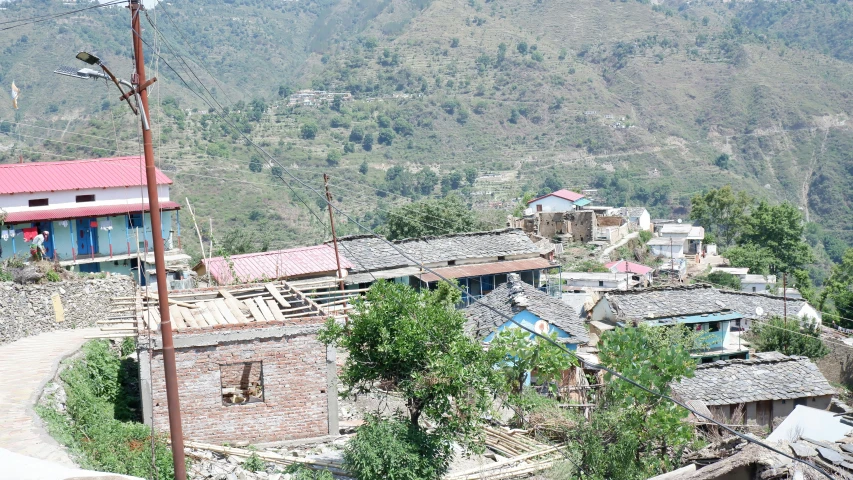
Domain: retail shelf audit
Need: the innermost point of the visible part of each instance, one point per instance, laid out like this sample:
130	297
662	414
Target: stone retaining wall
837	366
27	310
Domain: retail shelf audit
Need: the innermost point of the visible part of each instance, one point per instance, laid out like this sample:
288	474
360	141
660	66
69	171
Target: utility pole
785	297
169	367
332	224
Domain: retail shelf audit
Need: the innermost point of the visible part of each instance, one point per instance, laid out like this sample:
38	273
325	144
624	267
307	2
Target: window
753	289
714	327
601	283
134	220
242	383
539	208
501	258
451	262
39	202
85	198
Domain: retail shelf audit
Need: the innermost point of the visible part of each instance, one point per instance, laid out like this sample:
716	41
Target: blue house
529	306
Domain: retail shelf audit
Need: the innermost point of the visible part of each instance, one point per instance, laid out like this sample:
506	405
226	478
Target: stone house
761	391
250	367
560	201
637	216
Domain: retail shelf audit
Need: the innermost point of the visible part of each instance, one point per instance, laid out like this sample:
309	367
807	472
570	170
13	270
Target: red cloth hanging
30	233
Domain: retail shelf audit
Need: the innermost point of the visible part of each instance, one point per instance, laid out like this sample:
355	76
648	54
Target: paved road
25	367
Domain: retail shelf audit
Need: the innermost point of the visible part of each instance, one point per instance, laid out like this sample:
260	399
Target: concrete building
689	236
752	283
251	367
96	211
559	201
761	391
595	281
637	216
638	273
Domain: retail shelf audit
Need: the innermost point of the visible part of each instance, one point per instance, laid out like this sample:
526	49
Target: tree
723	279
431	217
336	103
519	354
412	342
522	48
399	180
839	288
367	142
722	161
383	121
255	164
426	179
790	337
308	131
356	135
333	158
779	228
386	137
349	147
276	171
757	259
470	175
362	169
284	91
722	212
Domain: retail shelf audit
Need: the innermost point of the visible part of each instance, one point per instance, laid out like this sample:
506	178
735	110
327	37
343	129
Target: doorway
87	236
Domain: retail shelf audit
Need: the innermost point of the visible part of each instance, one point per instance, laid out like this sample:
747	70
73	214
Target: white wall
552	204
757	287
676	250
67	198
645	221
585	283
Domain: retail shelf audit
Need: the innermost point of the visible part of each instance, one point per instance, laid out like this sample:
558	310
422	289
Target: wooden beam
265	310
276	310
253	308
277	295
225	311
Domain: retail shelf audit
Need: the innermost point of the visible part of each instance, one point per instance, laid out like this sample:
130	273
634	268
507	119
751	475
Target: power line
44	18
520	325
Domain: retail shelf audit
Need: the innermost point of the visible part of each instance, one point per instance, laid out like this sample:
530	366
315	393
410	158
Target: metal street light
89	73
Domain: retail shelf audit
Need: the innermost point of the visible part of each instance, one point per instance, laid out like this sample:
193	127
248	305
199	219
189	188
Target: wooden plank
225	311
213	312
265	310
253	308
276	310
277	296
202	317
177	318
186	313
225	293
236	309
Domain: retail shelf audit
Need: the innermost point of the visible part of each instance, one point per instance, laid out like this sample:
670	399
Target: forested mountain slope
647	103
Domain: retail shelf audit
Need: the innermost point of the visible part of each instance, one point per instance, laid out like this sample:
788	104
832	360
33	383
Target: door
87	236
48	244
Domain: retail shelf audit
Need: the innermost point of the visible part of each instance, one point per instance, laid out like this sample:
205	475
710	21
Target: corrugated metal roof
276	264
624	266
464	271
75	175
562	193
83	212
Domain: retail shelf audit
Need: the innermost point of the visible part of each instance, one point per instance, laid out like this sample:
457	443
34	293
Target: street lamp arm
118	85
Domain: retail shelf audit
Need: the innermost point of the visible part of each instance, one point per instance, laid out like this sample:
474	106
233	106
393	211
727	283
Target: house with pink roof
560	201
638	272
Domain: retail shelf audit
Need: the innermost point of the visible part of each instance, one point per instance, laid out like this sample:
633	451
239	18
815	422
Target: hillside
647	103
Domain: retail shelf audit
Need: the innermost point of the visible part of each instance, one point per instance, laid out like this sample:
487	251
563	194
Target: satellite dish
541	327
759	311
679	220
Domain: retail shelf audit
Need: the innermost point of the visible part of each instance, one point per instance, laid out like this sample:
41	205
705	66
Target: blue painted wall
529	320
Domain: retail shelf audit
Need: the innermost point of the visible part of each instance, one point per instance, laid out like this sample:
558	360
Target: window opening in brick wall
242	383
39	202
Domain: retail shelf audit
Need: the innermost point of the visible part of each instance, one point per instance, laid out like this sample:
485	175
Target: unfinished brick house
250	367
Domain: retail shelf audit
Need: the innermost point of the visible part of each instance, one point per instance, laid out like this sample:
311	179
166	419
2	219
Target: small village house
595	281
251	368
637	216
749	282
559	201
96	211
671	235
637	272
290	264
761	391
479	261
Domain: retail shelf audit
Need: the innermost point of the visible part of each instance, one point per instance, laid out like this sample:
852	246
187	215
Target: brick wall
295	384
837	366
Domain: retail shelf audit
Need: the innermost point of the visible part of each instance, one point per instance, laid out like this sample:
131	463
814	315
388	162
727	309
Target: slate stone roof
663	302
742	381
483	320
369	253
631	212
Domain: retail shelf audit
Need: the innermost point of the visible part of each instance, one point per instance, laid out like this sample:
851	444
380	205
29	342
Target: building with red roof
294	263
638	272
96	212
560	201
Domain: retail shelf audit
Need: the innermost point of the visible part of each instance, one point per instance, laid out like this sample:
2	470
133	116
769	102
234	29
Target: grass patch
102	423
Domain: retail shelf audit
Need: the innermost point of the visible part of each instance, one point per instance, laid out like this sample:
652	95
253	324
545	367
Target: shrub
52	276
255	164
393	448
386	137
367	142
333	158
308	131
645	236
254	463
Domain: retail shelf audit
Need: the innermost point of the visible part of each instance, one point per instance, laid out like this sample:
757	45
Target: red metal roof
250	267
75	175
463	271
623	266
93	211
562	193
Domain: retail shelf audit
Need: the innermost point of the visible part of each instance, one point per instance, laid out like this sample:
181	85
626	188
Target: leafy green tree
722	212
362	169
385	448
412	342
757	259
522	48
333	158
722	161
513	116
790	337
386	137
839	287
520	353
454	42
356	135
276	171
337	102
431	217
470	175
308	131
367	142
501	53
779	228
723	279
255	164
404	128
284	91
384	121
426	179
399	180
349	147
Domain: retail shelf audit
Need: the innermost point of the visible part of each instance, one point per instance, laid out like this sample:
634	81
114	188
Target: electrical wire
520	325
44	18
